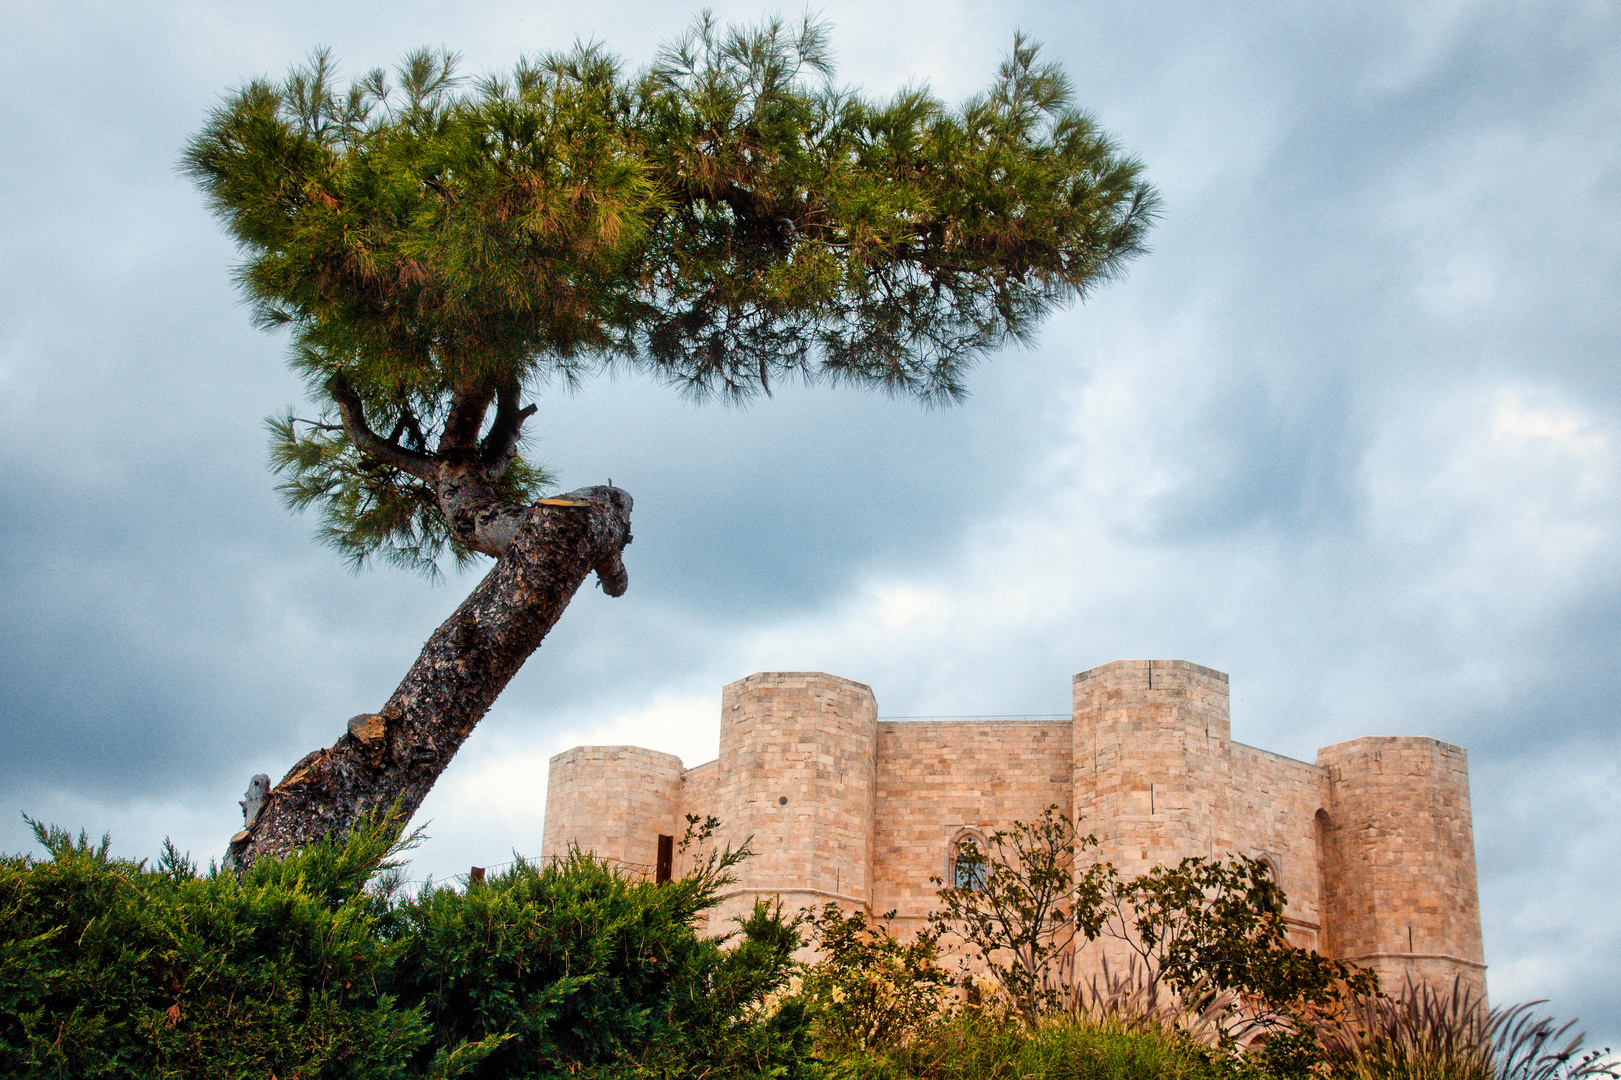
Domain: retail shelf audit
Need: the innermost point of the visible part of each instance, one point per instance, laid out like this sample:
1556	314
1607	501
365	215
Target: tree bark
479	517
392	758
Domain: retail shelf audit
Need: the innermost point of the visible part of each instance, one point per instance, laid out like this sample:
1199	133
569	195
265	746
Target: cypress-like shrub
595	974
113	968
110	968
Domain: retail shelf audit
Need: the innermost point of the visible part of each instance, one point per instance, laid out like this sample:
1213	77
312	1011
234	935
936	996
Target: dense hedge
110	968
315	967
590	972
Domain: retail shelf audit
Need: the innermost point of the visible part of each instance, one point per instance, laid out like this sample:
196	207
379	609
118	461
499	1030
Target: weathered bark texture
395	755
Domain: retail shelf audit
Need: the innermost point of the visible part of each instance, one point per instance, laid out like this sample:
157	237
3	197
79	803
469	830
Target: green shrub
1201	927
593	973
111	968
979	1046
869	990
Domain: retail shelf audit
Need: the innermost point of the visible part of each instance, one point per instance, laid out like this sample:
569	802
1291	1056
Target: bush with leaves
869	988
1203	927
1017	915
594	973
1207	926
976	1045
112	968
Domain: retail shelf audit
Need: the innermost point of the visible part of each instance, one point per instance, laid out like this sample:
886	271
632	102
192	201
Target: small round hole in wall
783	801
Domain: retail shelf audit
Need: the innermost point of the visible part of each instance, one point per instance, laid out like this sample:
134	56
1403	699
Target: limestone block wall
1373	844
614	801
798	761
938	779
1151	762
1274	801
698	793
1399	860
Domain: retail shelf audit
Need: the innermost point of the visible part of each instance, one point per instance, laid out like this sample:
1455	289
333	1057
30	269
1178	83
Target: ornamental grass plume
1133	1002
1427	1034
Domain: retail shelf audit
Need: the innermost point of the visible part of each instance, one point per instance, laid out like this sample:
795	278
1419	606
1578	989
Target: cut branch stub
391	758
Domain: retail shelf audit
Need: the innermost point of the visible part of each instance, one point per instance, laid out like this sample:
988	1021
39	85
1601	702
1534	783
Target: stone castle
1373	844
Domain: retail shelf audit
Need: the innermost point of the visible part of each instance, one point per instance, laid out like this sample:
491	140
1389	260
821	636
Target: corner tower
798	769
613	801
1151	761
1398	856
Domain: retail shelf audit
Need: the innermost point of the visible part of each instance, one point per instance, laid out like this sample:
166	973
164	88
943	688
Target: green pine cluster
726	219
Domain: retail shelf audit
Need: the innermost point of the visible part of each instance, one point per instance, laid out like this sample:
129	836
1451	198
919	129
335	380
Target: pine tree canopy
727	219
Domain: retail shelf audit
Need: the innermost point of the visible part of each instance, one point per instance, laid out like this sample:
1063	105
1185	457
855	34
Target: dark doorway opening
666	863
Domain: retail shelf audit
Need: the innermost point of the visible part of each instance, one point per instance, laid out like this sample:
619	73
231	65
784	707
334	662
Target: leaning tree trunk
391	758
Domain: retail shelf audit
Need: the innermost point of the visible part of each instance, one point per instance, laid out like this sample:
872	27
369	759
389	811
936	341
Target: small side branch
370	443
315	425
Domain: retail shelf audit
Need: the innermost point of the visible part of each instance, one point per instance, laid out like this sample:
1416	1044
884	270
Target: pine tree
725	220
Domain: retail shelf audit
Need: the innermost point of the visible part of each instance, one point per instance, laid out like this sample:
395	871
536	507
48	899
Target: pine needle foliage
370	508
726	219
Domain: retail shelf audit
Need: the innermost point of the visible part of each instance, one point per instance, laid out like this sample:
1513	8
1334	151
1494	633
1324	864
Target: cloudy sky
1351	433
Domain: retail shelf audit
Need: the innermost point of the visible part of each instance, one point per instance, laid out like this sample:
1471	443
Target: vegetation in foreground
312	966
318	966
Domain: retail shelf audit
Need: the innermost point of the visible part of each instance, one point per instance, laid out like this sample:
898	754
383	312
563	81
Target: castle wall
797	772
1373	844
614	801
1150	761
699	791
939	778
1399	860
700	786
1274	802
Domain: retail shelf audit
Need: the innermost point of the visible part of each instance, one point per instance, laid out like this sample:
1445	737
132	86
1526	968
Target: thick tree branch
501	443
394	756
475	511
370	443
467	408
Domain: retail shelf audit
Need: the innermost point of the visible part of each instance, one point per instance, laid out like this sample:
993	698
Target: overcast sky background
1351	433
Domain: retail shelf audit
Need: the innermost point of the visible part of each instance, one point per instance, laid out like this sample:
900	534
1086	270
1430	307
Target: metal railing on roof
988	716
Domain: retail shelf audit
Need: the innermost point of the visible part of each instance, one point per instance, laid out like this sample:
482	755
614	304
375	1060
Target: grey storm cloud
1351	432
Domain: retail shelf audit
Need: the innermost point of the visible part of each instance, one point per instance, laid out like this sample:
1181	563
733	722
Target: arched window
1274	874
967	860
1325	857
1325	876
